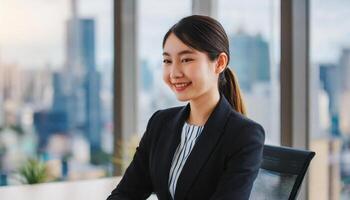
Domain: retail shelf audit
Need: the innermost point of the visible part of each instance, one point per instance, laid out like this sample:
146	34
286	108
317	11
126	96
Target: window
56	63
253	28
330	97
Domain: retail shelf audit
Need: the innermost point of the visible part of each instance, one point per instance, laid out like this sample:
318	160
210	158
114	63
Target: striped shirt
189	137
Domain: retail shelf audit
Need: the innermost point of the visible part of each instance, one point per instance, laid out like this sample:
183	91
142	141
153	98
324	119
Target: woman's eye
166	61
186	60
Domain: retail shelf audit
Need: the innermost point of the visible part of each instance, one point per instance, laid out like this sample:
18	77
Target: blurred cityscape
330	128
62	116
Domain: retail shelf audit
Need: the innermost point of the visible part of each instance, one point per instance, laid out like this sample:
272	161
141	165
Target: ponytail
228	85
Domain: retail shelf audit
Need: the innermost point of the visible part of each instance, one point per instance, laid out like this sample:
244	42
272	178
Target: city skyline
71	127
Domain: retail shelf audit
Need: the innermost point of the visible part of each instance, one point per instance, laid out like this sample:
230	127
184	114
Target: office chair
281	173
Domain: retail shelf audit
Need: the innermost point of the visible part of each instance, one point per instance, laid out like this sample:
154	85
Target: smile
181	86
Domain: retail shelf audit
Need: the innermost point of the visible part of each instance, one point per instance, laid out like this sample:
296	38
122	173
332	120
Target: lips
181	86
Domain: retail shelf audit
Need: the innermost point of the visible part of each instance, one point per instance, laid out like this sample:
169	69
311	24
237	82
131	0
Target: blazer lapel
170	138
206	142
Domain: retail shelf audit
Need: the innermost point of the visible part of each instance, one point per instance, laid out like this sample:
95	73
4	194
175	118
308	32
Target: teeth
181	84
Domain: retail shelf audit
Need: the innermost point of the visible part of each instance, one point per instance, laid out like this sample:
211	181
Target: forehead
174	46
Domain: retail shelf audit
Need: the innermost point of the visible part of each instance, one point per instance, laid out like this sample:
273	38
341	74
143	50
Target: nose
175	72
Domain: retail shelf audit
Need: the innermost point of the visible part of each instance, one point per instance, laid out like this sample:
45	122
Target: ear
221	63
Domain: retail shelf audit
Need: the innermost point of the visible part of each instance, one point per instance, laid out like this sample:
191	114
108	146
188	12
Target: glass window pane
253	28
329	99
56	61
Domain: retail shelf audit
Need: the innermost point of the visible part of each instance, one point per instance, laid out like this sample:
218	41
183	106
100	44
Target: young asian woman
209	148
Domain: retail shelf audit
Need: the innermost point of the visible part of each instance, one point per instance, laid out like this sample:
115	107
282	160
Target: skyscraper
1	96
77	87
345	69
329	78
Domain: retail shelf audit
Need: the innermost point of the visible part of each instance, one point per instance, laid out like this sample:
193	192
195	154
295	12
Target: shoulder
244	129
164	114
240	121
158	119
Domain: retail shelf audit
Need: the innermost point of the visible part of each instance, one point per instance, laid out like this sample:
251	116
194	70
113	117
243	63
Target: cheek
166	76
204	77
198	73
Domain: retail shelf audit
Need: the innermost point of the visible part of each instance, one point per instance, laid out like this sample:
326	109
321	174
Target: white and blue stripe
189	137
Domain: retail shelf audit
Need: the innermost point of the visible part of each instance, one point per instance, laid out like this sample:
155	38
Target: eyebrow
180	53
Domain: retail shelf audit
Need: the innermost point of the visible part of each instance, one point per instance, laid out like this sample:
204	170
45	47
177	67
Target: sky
330	29
32	33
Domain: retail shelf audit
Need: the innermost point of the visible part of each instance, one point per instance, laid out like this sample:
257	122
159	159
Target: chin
182	97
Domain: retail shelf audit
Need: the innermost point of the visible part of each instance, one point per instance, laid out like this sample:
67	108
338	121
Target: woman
207	149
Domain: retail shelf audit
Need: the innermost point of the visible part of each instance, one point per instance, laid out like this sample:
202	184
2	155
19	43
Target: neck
202	107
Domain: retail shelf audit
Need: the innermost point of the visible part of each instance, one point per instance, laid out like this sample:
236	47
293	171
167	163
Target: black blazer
223	163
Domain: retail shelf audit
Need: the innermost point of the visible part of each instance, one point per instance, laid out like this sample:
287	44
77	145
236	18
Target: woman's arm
136	183
242	167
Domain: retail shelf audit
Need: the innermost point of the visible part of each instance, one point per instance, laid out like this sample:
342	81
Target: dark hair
207	35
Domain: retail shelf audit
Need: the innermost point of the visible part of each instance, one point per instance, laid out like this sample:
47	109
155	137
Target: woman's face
188	72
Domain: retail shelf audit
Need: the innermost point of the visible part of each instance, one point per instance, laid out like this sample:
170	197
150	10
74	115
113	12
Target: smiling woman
184	67
207	149
206	55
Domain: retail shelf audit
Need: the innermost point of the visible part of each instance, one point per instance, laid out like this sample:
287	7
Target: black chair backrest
281	173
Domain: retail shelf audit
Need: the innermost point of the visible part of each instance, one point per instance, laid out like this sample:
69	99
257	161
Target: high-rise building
11	92
37	87
48	123
12	83
250	59
93	123
344	65
329	77
77	87
1	97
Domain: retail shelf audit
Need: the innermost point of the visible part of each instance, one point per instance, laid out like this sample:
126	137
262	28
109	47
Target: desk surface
74	190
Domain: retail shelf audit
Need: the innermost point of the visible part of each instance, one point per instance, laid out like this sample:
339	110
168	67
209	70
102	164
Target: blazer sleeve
136	183
242	165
